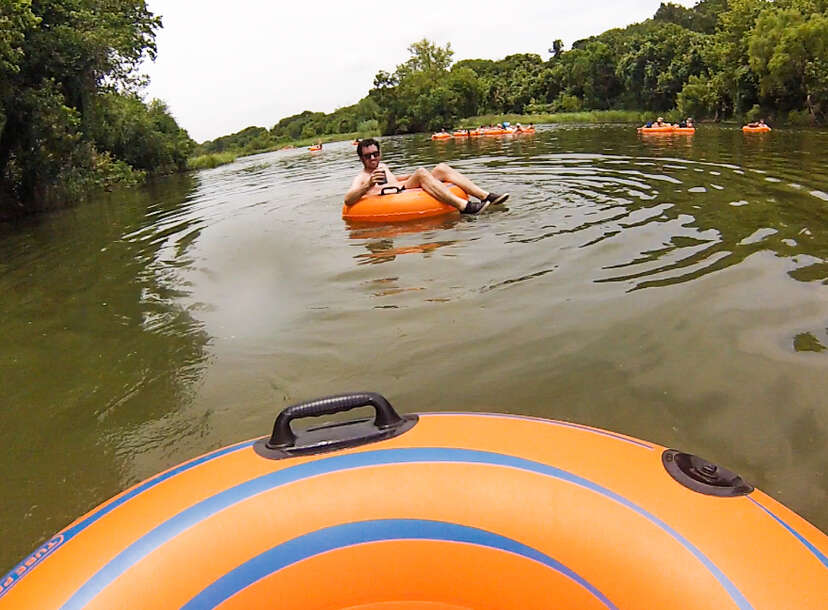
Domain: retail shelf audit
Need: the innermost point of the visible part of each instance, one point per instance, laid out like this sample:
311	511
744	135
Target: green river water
670	288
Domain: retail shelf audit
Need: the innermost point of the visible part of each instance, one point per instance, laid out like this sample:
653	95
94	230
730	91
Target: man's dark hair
365	144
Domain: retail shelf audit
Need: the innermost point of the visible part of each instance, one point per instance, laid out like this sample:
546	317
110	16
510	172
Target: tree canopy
717	59
70	117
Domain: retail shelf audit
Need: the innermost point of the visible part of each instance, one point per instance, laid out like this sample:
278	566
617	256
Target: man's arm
361	185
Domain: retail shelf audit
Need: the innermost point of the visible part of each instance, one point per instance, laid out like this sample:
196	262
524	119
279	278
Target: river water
670	288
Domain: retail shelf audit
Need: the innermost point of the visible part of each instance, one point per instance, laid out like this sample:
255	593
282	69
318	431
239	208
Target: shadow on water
672	289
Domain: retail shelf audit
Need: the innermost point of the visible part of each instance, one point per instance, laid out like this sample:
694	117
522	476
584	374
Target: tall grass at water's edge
324	139
211	160
202	162
639	117
588	116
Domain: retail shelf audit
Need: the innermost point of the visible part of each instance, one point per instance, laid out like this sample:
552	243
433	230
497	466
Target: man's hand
378	177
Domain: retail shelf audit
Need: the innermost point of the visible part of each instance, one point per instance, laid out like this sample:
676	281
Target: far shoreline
595	117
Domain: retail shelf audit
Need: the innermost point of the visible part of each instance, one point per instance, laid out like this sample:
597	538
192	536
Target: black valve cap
702	476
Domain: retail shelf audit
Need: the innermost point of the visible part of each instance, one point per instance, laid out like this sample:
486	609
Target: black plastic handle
385	417
395	190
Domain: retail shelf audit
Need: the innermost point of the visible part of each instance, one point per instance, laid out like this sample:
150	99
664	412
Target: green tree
738	83
658	63
16	19
466	91
427	59
789	53
592	74
702	18
57	58
698	98
422	94
517	83
145	136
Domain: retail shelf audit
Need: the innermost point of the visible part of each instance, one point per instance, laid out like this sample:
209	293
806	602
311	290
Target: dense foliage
357	119
720	58
69	117
717	60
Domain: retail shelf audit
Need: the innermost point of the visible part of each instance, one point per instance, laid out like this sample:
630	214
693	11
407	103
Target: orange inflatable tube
760	129
410	204
447	511
314	148
441	136
685	130
664	129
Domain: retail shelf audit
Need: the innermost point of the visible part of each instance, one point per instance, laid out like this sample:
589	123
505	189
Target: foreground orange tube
761	129
410	204
436	511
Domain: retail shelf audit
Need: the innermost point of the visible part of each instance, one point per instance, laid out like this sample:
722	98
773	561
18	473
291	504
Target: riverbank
597	117
589	116
210	160
638	117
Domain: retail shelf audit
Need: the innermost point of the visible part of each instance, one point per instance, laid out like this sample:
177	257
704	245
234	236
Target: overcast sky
223	66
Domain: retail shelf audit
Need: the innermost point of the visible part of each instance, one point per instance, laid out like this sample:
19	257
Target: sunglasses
371	155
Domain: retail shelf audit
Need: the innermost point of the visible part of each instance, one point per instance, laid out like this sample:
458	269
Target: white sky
223	66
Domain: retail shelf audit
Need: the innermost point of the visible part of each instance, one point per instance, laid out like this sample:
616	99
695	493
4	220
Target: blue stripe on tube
350	534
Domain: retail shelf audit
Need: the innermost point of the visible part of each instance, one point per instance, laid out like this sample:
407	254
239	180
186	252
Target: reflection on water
378	239
94	346
668	288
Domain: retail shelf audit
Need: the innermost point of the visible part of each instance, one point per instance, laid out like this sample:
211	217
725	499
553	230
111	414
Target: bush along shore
71	118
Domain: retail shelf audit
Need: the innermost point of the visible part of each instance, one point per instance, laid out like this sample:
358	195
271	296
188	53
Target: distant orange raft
760	129
410	204
666	129
448	511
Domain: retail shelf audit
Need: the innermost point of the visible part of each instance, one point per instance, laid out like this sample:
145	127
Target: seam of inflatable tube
319	542
197	513
71	531
552	422
816	552
66	534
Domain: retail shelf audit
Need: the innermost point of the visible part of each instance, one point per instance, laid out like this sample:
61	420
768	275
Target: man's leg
425	179
446	173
